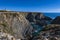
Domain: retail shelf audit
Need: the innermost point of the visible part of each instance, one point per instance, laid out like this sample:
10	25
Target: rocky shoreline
18	27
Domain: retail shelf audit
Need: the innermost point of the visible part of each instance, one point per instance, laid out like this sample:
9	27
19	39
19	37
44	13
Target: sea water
37	29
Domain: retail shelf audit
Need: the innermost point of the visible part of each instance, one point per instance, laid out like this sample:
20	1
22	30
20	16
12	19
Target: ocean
52	15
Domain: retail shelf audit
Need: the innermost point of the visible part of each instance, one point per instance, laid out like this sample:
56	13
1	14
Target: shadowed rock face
47	18
15	24
56	20
42	19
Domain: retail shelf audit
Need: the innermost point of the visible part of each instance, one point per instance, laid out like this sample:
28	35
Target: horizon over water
52	15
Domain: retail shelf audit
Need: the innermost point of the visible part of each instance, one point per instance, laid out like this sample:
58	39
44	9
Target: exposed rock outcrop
56	20
15	24
53	31
42	19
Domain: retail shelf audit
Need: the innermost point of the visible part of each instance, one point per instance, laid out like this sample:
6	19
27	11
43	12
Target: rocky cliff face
15	24
56	20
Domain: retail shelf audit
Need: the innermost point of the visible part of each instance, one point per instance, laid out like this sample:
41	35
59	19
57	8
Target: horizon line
31	11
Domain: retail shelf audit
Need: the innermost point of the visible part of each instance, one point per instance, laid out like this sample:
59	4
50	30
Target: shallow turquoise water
37	29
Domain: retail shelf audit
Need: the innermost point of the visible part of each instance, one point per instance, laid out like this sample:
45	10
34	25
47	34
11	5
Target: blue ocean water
52	15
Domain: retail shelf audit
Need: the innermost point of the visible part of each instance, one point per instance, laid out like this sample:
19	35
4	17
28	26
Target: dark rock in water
41	16
56	20
47	18
42	19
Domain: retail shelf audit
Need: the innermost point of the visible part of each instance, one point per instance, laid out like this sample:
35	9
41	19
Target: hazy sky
31	5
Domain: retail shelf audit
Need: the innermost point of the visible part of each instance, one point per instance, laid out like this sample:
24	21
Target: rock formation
15	24
56	20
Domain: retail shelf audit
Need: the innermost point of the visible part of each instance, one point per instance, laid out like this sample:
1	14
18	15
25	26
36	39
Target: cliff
15	24
56	20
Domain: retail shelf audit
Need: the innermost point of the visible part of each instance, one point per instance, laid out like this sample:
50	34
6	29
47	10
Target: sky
32	6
